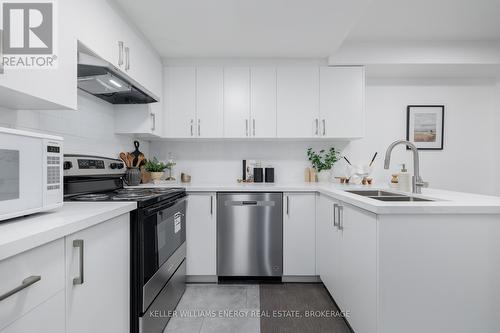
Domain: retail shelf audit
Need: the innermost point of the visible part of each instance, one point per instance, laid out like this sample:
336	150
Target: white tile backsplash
88	130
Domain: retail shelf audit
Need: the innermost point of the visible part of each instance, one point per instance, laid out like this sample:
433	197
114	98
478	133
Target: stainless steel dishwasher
249	235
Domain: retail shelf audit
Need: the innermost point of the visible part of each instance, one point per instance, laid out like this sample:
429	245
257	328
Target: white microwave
31	177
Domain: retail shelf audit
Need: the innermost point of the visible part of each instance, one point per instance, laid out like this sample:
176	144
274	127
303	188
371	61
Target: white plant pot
324	176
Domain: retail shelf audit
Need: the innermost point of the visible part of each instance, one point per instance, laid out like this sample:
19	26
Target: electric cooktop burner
92	197
141	195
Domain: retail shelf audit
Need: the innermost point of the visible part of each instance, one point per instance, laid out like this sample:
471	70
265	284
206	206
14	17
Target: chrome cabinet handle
199	127
335	224
324	127
127	58
287	205
192	121
78	243
153	122
211	205
120	53
341	217
253	126
24	284
246	127
317	126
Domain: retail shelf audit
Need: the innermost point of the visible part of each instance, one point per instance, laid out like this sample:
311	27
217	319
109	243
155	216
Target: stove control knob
119	165
113	165
67	165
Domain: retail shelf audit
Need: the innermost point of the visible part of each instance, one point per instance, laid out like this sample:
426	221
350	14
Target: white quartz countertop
24	233
446	202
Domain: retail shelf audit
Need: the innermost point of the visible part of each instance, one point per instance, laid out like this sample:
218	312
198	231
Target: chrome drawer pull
25	284
78	243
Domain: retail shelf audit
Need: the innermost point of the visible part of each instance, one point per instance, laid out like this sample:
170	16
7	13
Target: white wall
468	162
496	148
89	130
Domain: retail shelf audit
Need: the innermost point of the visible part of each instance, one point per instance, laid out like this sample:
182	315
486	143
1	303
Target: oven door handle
160	207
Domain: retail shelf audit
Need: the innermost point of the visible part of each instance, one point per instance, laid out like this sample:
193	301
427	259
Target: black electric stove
157	235
143	196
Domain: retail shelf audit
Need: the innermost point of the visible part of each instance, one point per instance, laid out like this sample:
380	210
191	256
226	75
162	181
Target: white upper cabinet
141	62
298	102
263	102
100	29
46	88
237	102
342	112
180	101
113	39
209	102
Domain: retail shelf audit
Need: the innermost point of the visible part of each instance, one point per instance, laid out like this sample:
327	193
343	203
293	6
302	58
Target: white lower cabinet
97	278
299	234
201	235
347	256
47	317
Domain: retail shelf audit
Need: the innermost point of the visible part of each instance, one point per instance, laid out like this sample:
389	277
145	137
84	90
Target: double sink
389	196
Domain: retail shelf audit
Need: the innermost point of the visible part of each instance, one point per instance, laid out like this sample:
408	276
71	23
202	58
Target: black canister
269	175
258	175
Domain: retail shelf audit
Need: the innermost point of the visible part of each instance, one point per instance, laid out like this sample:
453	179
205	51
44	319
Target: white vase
324	176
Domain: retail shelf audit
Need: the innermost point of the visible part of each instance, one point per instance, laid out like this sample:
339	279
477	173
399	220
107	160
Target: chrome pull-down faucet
417	182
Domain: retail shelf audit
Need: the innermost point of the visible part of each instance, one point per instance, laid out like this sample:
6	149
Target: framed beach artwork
425	126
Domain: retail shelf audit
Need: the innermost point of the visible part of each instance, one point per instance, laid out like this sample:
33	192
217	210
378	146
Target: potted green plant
323	162
155	168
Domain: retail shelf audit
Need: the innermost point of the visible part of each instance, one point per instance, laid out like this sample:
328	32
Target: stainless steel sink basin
401	199
389	196
374	193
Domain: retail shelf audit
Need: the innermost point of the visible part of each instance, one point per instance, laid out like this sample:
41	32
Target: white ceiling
429	20
304	28
244	28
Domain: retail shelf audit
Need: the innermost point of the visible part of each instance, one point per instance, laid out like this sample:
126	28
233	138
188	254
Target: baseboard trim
201	278
301	279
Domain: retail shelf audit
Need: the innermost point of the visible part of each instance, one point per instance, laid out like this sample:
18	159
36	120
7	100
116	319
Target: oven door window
164	232
9	174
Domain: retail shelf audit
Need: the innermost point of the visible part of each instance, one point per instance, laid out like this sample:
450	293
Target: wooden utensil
123	157
140	158
130	159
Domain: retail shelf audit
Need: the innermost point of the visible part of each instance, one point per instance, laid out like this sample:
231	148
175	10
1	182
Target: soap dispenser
404	178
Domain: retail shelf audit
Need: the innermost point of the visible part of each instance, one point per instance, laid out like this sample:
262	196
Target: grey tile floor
211	308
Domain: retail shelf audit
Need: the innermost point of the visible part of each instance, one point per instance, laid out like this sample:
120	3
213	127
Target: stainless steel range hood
103	80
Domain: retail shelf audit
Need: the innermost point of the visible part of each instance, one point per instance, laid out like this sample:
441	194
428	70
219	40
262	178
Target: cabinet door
299	234
236	102
142	63
358	289
263	102
342	101
201	234
329	249
99	28
100	303
44	88
47	317
209	102
298	102
180	102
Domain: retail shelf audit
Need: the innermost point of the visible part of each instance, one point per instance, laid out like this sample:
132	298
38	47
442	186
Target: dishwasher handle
250	203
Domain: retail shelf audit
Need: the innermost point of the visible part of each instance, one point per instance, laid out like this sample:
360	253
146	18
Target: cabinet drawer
47	262
47	317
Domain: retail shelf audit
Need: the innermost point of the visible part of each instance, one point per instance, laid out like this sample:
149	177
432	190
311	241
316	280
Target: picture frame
425	126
